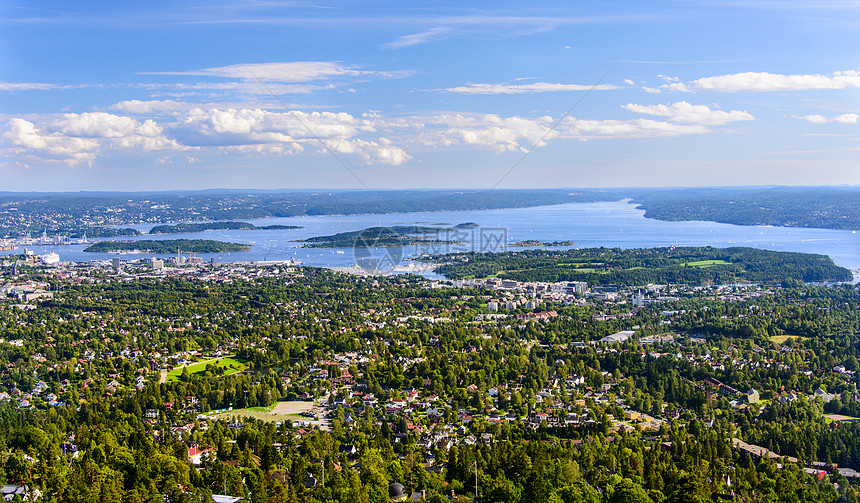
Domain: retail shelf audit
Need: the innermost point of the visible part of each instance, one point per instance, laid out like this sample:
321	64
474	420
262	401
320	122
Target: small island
397	235
167	246
188	228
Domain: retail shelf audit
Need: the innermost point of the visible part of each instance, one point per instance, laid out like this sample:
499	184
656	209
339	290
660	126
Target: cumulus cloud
487	132
682	111
820	119
371	138
74	138
847	118
536	87
225	127
763	82
503	134
815	119
24	137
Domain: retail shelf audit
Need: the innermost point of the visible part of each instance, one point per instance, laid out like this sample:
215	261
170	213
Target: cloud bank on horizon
269	94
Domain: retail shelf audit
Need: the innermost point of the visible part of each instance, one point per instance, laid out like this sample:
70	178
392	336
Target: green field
230	363
707	263
262	409
780	339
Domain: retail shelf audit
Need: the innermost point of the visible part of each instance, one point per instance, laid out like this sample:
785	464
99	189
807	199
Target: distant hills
93	212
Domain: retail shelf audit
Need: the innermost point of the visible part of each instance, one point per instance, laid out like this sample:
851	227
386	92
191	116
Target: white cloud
820	119
152	106
32	86
487	132
225	127
847	118
536	87
815	119
371	138
637	128
629	82
102	125
418	38
23	137
682	111
504	134
763	81
295	71
75	138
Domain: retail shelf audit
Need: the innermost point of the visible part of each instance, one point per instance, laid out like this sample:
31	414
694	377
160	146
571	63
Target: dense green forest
168	246
688	265
496	398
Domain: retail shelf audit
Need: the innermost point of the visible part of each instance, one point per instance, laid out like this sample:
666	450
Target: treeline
285	326
125	458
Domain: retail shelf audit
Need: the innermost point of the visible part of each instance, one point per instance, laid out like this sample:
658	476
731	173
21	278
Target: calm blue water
608	224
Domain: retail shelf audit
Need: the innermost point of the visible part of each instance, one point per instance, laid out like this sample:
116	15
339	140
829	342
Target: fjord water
607	224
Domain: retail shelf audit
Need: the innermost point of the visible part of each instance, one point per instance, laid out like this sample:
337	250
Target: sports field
281	411
229	363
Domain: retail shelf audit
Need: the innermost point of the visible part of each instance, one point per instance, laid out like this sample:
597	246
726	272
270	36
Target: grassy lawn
829	418
230	363
262	409
707	263
780	339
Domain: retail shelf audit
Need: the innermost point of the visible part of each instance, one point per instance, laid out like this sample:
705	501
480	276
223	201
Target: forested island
167	246
688	265
397	235
187	228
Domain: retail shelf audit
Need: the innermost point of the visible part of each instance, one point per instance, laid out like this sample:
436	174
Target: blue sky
269	94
